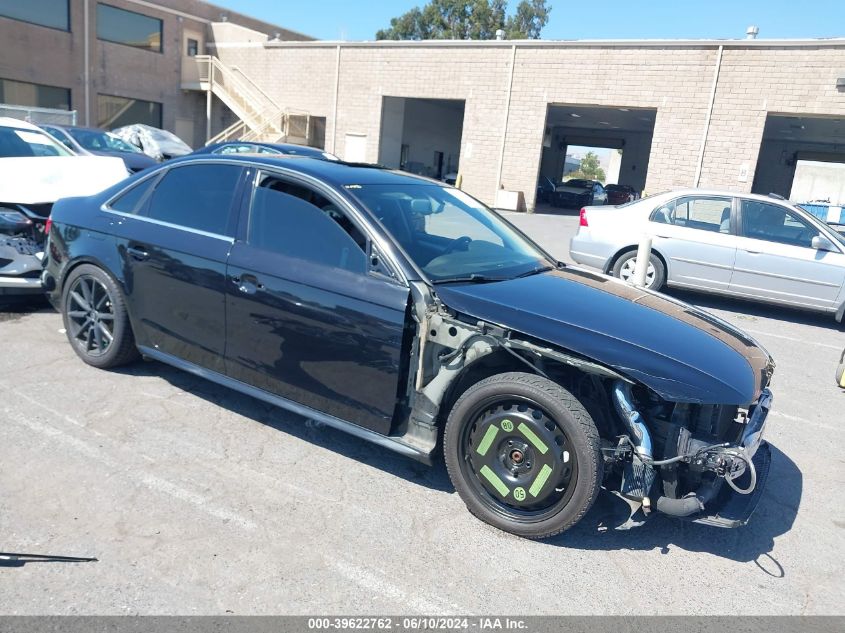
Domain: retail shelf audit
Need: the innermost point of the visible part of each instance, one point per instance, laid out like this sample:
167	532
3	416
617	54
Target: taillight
583	220
47	225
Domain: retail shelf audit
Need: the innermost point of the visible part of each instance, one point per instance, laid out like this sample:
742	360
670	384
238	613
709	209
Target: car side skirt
391	443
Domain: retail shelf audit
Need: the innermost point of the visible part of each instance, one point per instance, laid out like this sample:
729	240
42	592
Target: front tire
624	267
523	454
95	318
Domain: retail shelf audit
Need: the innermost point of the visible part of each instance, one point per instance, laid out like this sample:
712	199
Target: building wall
676	79
54	57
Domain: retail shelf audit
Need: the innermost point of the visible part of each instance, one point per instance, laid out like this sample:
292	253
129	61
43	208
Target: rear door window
696	212
130	201
197	197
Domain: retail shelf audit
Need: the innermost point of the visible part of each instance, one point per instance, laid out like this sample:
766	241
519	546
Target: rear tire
623	269
523	454
95	318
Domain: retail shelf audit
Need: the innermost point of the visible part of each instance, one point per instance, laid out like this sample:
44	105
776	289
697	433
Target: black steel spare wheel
523	454
95	318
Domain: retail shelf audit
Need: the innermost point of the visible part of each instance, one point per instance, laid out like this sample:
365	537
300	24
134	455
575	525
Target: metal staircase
259	117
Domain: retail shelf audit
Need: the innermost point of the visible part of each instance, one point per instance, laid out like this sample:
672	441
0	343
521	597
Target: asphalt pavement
197	500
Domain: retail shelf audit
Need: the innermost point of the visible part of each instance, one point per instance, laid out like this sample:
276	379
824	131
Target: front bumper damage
731	475
20	265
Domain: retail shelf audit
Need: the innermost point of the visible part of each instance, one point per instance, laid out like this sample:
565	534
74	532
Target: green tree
590	168
468	19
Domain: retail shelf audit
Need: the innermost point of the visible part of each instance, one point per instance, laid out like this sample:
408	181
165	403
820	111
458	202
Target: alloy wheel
90	315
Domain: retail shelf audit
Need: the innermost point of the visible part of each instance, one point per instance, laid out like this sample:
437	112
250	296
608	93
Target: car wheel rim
626	273
519	462
90	314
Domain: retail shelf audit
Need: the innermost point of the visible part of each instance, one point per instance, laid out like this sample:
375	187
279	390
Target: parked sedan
747	246
620	194
577	193
409	314
35	171
273	149
88	141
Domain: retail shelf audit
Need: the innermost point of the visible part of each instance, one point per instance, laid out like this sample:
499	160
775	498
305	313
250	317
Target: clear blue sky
611	19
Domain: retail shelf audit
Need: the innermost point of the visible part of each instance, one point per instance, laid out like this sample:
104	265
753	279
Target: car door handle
248	284
137	253
751	252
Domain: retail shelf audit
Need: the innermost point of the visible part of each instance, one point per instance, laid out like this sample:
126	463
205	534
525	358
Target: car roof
722	193
18	123
338	173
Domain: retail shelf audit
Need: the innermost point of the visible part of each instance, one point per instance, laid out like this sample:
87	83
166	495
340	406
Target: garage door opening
802	158
610	145
422	136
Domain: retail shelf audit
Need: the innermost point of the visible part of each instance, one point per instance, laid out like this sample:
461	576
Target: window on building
703	213
196	197
193	48
23	93
52	13
129	28
114	112
294	220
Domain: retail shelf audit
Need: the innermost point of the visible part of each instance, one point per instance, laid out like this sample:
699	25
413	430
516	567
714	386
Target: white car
744	245
35	171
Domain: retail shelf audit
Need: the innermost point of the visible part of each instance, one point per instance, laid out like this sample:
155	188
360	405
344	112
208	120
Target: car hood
682	353
565	189
36	179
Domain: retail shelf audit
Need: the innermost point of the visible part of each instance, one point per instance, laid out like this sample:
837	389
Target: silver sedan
747	246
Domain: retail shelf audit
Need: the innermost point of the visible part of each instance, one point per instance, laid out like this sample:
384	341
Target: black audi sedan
407	313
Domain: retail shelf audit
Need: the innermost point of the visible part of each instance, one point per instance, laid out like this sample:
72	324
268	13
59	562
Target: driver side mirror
821	243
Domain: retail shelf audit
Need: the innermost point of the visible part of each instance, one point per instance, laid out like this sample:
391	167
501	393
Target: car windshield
98	141
450	235
22	142
580	184
615	188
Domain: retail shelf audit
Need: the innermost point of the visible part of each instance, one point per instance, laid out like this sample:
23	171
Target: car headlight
12	220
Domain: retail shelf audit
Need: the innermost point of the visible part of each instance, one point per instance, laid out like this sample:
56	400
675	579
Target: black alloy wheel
95	318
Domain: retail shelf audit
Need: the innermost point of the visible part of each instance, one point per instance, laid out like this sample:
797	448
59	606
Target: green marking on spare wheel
542	478
507	425
519	493
531	436
487	440
494	480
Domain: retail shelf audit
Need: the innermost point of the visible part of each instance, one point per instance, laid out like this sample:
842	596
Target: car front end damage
23	229
664	450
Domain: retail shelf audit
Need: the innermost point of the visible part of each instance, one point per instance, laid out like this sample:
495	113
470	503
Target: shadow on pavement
545	208
753	542
342	443
753	309
14	308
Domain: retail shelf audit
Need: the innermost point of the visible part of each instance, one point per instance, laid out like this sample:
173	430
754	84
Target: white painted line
379	584
792	338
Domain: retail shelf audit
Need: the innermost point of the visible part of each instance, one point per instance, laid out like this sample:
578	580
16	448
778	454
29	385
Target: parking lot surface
197	500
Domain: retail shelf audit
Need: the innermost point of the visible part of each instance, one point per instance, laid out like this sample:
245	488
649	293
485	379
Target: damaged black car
407	313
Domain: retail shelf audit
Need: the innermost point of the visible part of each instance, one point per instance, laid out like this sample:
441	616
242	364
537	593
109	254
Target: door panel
695	235
307	318
173	242
175	281
775	260
319	335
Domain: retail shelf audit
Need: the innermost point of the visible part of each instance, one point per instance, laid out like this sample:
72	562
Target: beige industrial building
115	62
731	114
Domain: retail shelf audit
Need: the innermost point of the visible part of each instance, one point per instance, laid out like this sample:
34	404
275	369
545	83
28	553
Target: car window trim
159	175
807	218
345	206
716	196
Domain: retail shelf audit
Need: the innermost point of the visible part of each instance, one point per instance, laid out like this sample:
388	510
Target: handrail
253	84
